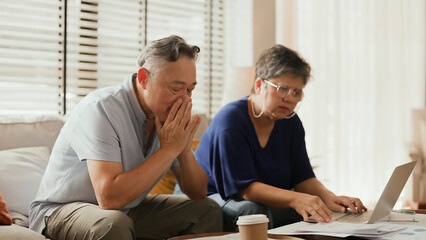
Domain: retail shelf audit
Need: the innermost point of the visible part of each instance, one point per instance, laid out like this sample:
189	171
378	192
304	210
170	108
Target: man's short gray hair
279	60
157	53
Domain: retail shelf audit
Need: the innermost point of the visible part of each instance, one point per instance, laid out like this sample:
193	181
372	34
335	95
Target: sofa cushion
4	213
21	170
29	131
15	232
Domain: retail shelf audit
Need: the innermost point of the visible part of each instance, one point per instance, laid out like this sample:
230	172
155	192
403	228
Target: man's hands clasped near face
177	132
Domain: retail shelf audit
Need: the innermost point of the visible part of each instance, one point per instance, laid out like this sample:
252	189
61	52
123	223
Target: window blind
103	40
82	50
217	55
31	59
193	20
121	38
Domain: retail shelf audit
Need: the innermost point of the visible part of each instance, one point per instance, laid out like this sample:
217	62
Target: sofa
25	146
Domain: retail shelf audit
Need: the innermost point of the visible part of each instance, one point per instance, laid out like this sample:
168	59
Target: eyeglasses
287	91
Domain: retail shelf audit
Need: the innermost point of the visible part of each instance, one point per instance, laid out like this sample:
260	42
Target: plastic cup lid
252	219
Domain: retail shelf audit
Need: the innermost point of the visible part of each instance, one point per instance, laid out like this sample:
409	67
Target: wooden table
275	236
420	211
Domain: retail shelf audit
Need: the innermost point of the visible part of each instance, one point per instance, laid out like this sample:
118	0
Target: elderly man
116	145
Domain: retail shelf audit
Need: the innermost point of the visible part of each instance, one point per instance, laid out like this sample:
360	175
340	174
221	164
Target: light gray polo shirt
109	125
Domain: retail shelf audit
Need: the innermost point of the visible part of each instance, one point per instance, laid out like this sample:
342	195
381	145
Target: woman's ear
142	77
258	85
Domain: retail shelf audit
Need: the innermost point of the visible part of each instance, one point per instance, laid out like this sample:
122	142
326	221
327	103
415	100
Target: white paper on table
337	229
353	228
293	229
341	227
410	232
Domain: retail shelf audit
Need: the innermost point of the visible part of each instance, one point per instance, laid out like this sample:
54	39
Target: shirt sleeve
233	167
94	135
175	163
301	164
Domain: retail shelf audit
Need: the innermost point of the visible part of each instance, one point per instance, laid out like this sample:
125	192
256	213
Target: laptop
387	200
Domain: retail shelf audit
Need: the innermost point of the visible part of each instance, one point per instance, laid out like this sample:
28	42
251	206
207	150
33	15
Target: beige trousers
157	217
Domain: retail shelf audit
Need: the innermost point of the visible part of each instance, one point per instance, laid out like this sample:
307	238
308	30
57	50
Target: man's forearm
193	179
115	189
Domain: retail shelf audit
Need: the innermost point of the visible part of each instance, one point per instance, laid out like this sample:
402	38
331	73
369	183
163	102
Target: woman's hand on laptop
342	203
306	204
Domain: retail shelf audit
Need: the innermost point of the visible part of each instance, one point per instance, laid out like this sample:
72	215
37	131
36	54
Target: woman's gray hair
279	60
157	53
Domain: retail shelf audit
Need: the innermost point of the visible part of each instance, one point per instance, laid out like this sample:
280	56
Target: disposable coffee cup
253	227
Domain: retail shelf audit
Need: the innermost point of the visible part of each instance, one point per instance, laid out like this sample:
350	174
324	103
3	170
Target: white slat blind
192	20
217	55
31	56
82	50
103	40
120	37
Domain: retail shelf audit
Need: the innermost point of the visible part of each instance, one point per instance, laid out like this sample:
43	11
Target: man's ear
142	77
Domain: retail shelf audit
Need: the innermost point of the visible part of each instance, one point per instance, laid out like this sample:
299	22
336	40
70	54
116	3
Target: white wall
250	29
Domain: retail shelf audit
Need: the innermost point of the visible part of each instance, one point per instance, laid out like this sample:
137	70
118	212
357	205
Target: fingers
359	205
305	215
193	124
314	206
172	114
321	213
181	114
185	114
179	127
328	212
352	207
337	207
354	204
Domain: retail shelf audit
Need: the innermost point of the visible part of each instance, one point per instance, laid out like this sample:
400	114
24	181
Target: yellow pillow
166	185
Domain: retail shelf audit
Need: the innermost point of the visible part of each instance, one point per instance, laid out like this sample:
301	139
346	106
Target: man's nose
186	96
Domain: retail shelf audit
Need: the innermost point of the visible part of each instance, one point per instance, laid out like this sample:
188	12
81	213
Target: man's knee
114	225
215	211
210	216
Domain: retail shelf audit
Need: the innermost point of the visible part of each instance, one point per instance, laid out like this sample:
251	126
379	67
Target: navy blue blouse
231	155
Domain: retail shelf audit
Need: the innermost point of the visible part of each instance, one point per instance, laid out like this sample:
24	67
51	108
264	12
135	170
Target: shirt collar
131	95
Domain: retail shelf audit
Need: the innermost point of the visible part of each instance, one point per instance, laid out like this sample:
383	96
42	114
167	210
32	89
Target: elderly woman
254	151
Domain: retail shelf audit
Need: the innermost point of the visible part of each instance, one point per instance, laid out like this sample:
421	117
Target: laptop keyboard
354	218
